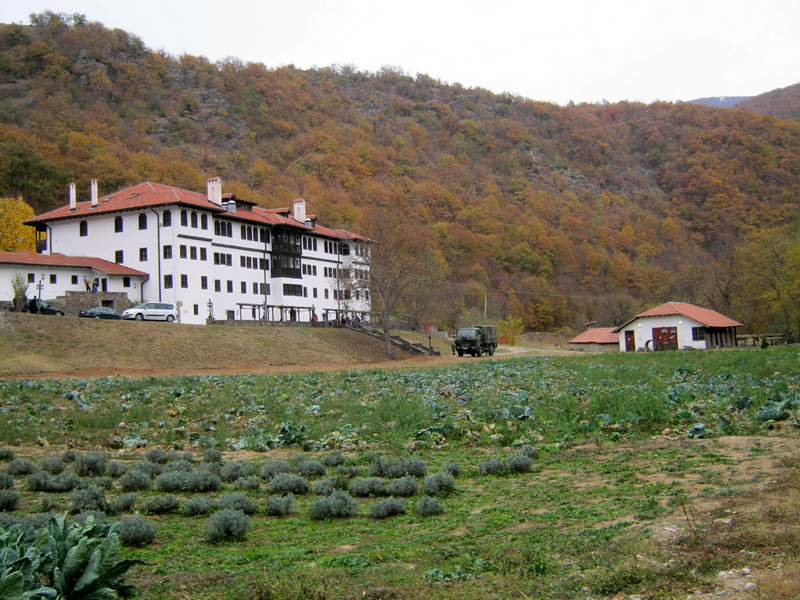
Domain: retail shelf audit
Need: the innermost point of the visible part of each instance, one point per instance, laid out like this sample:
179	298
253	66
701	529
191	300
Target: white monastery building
214	256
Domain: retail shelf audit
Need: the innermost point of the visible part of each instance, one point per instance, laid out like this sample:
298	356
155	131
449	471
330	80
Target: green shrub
237	502
415	467
286	483
348	471
453	468
137	531
157	456
170	482
97	518
233	470
529	451
387	508
150	469
407	486
69	456
91	498
178	466
310	468
68	481
278	506
273	468
39	482
325	486
332	459
134	481
159	505
519	463
90	465
227	525
197	505
366	486
123	503
52	464
115	468
439	483
6	454
8	500
106	483
20	466
203	480
338	504
212	455
175	456
490	467
247	484
6	481
380	467
427	507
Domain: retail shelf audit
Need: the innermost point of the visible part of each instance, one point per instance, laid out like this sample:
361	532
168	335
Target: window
203	255
118	225
291	289
126	282
168	282
314	270
203	282
244	232
168	251
193	252
263	264
366	295
166	218
184	218
249	233
315	292
53	278
118	257
264	287
217	285
143	221
184	281
315	244
698	334
31	278
230	287
305	292
264	236
229	260
241	261
255	287
196	309
203	221
249	262
243	287
84	228
182	251
194	220
216	258
74	280
326	294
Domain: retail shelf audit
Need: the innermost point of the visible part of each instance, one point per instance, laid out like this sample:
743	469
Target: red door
665	338
630	341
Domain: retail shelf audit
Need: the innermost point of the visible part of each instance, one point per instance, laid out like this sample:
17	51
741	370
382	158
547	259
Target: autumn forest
566	214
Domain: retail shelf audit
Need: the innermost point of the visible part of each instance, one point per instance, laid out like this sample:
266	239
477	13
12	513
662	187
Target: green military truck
476	340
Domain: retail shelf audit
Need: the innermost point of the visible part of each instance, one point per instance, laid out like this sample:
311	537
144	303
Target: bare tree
19	285
403	274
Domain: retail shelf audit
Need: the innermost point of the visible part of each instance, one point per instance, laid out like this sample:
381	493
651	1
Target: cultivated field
556	477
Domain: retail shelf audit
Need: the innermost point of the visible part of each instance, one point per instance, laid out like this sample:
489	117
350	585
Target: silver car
152	311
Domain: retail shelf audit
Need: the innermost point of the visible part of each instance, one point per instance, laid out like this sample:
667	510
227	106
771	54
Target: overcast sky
554	50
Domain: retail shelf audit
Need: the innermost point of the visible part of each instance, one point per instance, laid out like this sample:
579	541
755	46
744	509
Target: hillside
720	101
783	103
589	212
33	346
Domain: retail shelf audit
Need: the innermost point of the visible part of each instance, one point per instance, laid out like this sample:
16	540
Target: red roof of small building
149	194
704	316
600	335
61	260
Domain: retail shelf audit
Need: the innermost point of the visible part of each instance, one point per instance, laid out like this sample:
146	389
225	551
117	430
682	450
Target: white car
151	311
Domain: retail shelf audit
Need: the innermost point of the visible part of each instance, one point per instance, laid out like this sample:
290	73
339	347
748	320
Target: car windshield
467	333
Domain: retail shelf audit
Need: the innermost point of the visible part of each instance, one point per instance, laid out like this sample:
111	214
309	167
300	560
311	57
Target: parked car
43	308
151	311
99	312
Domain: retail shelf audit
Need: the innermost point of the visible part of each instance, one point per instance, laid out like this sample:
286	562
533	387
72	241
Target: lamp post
41	283
210	306
430	342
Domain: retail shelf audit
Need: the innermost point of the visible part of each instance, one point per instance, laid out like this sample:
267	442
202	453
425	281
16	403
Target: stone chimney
94	192
73	198
215	191
300	210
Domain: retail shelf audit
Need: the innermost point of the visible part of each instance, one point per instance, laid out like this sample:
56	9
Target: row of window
310	244
254	262
75	280
166	221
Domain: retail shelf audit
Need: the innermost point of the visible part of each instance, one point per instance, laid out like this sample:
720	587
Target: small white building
599	339
214	256
50	276
677	326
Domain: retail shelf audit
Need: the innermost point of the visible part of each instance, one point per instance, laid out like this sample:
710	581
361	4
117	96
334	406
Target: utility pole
485	302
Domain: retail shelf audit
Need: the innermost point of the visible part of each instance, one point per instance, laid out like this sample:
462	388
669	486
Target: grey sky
555	50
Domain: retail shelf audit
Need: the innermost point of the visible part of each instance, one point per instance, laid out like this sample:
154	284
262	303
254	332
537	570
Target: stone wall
74	302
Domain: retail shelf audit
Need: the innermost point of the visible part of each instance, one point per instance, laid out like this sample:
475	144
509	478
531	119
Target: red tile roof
704	316
600	335
148	194
60	260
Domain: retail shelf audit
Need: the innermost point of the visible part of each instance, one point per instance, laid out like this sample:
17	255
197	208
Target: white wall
643	331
